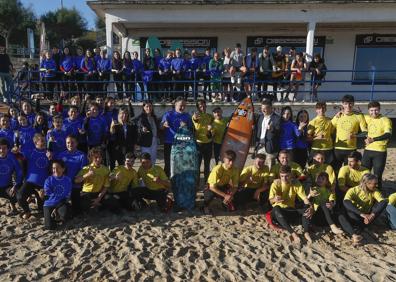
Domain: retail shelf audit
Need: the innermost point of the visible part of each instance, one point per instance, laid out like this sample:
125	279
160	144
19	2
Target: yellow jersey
296	170
321	126
148	175
377	127
361	200
288	193
95	183
392	199
349	177
315	169
345	125
127	178
221	176
325	195
219	126
252	177
201	128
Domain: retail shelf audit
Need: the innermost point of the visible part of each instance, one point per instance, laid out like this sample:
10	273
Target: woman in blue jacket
48	70
137	74
79	74
67	70
302	145
88	67
127	75
290	132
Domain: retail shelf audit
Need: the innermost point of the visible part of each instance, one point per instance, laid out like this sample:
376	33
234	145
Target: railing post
372	82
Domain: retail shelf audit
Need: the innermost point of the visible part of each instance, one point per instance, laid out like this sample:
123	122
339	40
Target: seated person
319	165
284	159
282	197
222	182
363	204
9	166
391	211
155	184
253	183
95	181
122	178
57	191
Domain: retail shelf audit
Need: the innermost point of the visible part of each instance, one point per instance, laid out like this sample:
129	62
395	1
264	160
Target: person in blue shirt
205	75
57	190
195	64
38	161
137	74
170	123
95	127
49	69
23	137
104	70
66	67
8	167
117	69
40	124
6	130
301	151
56	137
165	73
148	73
88	67
290	132
27	110
127	75
178	74
79	74
74	125
13	113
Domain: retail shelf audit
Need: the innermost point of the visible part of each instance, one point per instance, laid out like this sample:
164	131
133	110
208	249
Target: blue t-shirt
9	135
174	118
165	64
289	135
77	61
37	167
26	134
57	189
48	64
14	123
60	140
97	129
8	166
72	128
74	161
31	118
177	64
104	65
67	63
301	142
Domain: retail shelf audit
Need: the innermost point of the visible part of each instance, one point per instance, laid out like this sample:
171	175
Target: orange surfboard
239	132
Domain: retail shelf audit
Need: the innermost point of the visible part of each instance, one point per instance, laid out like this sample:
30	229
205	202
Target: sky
43	6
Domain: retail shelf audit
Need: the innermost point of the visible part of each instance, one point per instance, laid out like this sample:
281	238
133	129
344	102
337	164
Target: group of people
225	76
303	169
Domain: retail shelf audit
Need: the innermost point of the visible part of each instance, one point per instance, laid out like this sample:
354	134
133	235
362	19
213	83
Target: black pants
284	216
90	84
166	85
262	85
129	86
178	86
329	156
376	161
140	193
5	194
209	195
49	86
62	210
206	86
216	152
86	201
156	86
323	216
205	153
340	158
167	153
23	194
300	156
68	83
102	87
246	195
80	84
76	201
117	77
117	201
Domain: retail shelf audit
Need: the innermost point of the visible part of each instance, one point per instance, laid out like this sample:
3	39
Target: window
374	55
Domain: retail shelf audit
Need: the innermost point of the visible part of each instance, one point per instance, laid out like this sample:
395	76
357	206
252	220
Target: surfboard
239	132
184	169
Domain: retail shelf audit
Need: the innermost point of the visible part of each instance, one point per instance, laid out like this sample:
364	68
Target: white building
351	35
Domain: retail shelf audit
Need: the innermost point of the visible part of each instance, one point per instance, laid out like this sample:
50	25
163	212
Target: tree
14	19
64	24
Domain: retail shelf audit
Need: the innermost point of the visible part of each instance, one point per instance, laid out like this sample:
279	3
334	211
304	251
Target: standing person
156	77
177	66
264	74
6	68
320	133
74	125
137	74
195	64
48	69
278	72
128	77
227	86
379	133
165	73
218	128
318	72
298	68
363	205
95	127
268	129
290	132
236	62
148	68
79	73
347	125
202	122
117	70
57	190
188	75
57	56
148	128
9	167
74	161
104	70
216	70
206	73
89	69
300	152
170	123
56	137
67	71
251	62
23	137
6	131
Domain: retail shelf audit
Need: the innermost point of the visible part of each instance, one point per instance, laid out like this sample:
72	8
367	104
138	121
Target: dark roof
225	2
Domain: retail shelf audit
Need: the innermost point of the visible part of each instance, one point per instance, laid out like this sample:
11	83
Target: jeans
391	214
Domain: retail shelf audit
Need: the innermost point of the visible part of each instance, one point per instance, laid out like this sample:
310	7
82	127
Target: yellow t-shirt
350	177
325	195
288	193
221	176
148	177
315	169
346	125
219	127
361	200
254	178
377	127
392	199
201	127
127	177
95	183
321	125
296	170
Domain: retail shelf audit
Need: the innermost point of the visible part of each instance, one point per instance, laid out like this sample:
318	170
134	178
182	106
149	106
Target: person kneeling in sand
155	185
363	204
391	211
222	182
95	179
254	183
282	197
284	159
322	195
57	191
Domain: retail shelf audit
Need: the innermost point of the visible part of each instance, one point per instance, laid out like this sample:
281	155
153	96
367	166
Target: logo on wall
376	40
187	42
290	41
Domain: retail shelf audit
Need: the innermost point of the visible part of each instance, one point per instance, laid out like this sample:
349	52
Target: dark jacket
271	140
118	141
145	139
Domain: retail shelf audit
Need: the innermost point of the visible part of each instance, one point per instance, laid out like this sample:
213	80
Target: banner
376	40
284	41
186	42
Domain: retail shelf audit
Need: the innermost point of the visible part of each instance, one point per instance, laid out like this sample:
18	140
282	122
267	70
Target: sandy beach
151	246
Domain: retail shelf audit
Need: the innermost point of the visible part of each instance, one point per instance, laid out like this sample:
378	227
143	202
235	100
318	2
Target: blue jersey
57	189
37	166
97	130
74	161
289	135
88	65
128	67
25	139
77	61
48	64
205	63
109	116
8	166
165	64
9	135
104	65
174	118
157	60
137	66
67	64
72	128
177	64
14	123
60	140
31	118
195	63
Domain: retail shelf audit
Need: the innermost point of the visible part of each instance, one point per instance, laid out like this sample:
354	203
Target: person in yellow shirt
282	197
320	133
378	135
122	179
319	165
322	195
284	159
202	122
95	181
347	125
391	211
217	129
363	204
155	185
222	182
253	183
